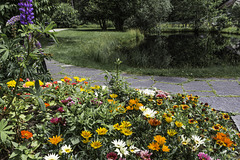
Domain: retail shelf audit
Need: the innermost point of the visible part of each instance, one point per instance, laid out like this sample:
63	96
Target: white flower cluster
197	141
122	149
147	112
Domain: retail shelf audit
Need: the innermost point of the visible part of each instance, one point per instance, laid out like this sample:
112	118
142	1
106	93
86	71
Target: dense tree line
140	14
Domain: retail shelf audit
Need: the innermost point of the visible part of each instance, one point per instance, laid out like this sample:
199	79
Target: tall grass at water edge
92	48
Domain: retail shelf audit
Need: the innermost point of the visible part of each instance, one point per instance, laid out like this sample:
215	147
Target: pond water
184	50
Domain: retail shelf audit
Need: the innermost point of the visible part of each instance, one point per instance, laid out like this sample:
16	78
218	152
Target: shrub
65	16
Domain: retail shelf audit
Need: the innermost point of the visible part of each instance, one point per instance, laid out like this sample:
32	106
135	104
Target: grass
93	48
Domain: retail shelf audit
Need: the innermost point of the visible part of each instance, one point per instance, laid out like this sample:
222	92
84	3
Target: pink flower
111	156
48	84
204	156
54	120
64	101
145	155
60	109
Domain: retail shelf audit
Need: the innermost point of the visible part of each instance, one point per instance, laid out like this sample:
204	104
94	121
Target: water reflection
184	50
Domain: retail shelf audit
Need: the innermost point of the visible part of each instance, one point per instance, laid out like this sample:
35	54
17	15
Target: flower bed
82	121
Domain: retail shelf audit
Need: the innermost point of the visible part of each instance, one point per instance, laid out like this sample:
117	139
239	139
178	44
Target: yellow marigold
86	140
125	124
160	140
129	108
168	119
95	87
136	107
117	127
96	144
154	146
171	132
113	96
178	124
55	140
11	83
29	83
101	131
81	80
132	102
126	131
165	148
76	78
86	134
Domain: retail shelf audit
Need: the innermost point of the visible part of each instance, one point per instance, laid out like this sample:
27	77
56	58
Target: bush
65	16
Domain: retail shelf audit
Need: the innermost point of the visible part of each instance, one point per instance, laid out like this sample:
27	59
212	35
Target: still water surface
185	50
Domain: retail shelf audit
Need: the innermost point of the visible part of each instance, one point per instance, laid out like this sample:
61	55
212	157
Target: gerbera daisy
185	140
55	140
184	107
216	127
117	127
113	96
125	124
168	119
198	140
96	144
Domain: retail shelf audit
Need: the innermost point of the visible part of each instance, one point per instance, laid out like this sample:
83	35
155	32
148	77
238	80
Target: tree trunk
103	24
118	23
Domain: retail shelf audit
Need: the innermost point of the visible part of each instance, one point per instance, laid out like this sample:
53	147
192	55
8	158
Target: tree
150	13
196	12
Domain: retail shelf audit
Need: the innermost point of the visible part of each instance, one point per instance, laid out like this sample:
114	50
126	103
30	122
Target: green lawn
93	48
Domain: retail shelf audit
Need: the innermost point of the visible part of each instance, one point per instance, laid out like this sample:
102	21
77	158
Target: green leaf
14	154
24	157
15	144
42	105
75	140
3	137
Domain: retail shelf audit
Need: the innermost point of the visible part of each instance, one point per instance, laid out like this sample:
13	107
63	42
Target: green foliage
8	8
149	14
5	133
65	16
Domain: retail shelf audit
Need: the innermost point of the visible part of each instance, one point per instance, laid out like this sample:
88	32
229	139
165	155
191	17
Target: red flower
112	156
55	82
26	134
56	87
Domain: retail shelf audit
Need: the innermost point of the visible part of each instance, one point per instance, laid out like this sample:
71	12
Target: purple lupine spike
26	12
13	20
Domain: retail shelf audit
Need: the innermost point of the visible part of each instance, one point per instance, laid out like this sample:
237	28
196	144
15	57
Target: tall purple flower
26	11
13	20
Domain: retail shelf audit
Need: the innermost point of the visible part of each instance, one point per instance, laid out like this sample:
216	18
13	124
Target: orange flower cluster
26	134
223	140
133	104
192	98
160	142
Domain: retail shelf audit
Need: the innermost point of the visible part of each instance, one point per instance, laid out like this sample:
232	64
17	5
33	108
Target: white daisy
51	157
185	140
122	151
149	113
198	140
134	149
66	149
142	108
119	143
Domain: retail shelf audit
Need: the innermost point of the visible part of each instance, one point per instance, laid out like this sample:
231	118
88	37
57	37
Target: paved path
222	94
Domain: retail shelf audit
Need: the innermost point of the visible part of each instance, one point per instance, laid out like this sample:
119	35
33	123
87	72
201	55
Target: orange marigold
165	149
160	140
154	122
154	146
26	134
55	140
